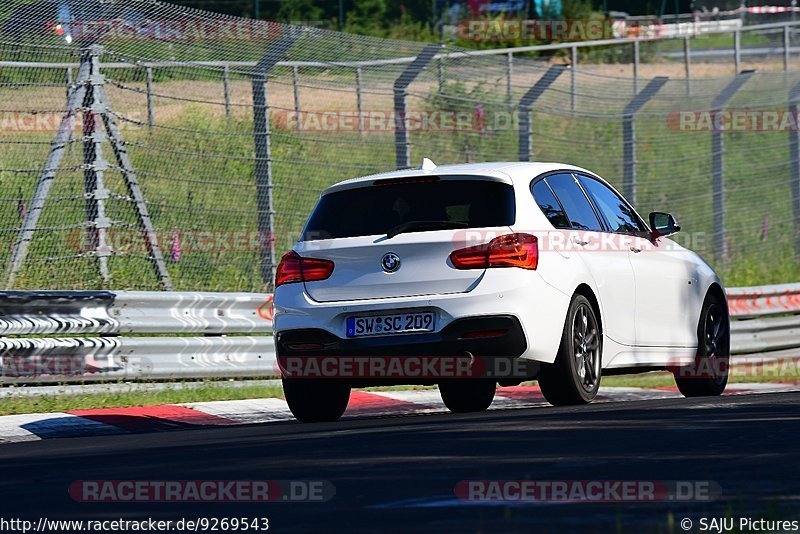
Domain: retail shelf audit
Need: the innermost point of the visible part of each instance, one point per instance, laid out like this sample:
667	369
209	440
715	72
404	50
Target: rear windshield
376	209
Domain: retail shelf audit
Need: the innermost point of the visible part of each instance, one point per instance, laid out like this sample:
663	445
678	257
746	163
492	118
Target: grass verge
782	371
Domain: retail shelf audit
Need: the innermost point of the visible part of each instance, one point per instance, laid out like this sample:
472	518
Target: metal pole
573	79
442	81
786	47
94	170
629	135
70	81
359	103
687	60
295	85
134	189
150	111
227	90
401	140
737	50
263	170
45	183
635	67
509	76
794	180
720	245
526	107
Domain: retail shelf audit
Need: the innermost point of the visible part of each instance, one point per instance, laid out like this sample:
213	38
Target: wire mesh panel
145	145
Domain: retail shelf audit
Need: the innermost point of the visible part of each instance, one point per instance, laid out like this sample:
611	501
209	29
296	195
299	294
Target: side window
577	207
549	205
617	212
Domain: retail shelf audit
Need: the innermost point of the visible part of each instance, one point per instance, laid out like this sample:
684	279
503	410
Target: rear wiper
418	226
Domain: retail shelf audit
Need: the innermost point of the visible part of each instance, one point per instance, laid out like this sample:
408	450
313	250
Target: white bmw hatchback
543	266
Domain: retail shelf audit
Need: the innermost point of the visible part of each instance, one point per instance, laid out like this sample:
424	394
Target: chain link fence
145	145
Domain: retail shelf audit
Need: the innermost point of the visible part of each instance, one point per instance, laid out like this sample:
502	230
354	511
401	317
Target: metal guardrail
764	318
80	336
106	335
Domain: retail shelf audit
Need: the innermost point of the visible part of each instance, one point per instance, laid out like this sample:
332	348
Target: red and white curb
109	421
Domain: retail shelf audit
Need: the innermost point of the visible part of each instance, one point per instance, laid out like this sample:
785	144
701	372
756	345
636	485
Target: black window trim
578	174
544	176
600	217
560	205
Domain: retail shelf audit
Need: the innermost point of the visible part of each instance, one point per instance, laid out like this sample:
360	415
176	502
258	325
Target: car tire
709	374
316	400
574	378
467	395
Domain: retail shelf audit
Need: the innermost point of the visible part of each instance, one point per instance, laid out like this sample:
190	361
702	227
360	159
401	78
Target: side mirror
663	224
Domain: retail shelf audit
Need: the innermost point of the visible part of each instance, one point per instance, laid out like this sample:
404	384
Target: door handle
579	242
636	250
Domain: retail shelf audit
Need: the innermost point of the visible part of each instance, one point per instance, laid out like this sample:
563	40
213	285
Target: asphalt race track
399	473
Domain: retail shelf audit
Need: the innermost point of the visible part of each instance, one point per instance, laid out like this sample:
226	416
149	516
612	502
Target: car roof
515	170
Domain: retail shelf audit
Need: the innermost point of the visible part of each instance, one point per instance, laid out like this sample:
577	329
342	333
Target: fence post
509	76
786	48
794	152
296	89
573	93
94	170
737	50
227	90
441	75
629	135
360	103
687	60
150	111
401	142
720	245
635	67
526	107
263	170
70	81
20	249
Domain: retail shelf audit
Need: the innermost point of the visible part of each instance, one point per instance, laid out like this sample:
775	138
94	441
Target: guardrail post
401	141
687	61
360	102
629	135
151	120
263	170
794	152
526	107
227	90
720	245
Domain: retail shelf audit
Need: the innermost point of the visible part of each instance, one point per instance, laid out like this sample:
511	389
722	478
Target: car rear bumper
529	308
503	337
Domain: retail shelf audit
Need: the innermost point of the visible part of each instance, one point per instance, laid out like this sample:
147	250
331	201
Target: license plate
381	325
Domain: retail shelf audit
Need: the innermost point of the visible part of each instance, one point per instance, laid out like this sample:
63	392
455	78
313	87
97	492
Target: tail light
293	268
512	250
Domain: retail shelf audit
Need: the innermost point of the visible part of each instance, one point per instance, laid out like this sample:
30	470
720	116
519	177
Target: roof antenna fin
427	165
